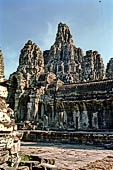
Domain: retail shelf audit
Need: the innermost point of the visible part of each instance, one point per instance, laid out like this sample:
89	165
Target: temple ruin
60	95
61	88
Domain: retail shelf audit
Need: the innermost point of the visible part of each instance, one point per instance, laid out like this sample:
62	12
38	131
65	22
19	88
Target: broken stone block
4	155
23	168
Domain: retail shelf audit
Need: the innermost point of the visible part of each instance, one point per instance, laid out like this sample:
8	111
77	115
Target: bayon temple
60	88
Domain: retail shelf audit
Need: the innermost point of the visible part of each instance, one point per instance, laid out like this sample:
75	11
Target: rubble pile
104	164
9	136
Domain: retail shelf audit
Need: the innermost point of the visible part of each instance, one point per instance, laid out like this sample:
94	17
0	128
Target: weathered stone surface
31	63
69	137
92	67
67	156
3	156
104	164
1	64
23	94
3	91
23	168
9	136
19	168
64	59
27	86
79	106
68	62
1	67
109	69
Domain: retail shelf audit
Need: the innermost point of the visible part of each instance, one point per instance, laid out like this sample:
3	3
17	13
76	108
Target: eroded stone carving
92	67
64	59
69	63
9	136
109	69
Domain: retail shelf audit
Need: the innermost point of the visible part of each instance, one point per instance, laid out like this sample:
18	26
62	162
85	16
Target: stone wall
73	137
81	106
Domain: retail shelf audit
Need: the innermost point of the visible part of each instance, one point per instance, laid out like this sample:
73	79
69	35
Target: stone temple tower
1	67
63	58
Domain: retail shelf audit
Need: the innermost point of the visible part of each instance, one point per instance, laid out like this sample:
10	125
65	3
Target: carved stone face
39	62
3	91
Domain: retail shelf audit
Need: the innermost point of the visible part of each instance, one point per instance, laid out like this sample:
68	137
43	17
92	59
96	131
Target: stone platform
72	137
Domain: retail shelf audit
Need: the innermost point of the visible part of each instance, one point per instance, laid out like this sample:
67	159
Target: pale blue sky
90	22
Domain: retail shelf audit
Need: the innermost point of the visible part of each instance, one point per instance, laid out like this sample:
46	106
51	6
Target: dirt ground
67	155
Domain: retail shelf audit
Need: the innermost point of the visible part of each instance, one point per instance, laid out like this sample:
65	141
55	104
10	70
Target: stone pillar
29	105
63	68
84	123
95	121
76	117
32	109
35	110
45	121
42	110
52	113
65	117
16	111
61	114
